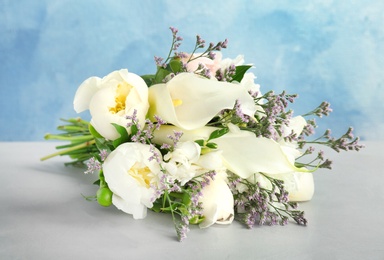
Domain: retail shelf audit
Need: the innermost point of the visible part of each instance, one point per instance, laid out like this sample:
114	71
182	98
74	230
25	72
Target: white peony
129	174
111	99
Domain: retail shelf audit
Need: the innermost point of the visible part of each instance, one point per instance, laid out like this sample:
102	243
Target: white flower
217	202
129	174
190	101
185	162
300	185
179	162
243	153
111	99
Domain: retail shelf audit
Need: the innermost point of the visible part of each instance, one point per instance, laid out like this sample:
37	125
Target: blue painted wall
323	50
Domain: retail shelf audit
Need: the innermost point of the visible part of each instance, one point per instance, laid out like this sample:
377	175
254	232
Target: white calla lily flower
190	101
300	185
243	153
304	187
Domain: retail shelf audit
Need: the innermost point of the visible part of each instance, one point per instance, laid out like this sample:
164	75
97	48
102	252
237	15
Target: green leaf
149	79
124	137
218	133
196	220
200	142
240	71
134	129
211	145
156	207
175	66
161	74
93	132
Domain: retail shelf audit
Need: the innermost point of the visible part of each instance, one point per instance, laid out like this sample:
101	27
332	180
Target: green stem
68	138
83	145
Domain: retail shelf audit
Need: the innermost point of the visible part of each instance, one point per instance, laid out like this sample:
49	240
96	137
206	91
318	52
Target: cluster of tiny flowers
182	228
239	113
324	109
309	128
176	42
175	138
274	115
103	154
143	135
195	187
226	74
202	71
258	205
93	165
346	142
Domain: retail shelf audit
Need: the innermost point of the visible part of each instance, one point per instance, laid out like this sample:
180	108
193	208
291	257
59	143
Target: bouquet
198	140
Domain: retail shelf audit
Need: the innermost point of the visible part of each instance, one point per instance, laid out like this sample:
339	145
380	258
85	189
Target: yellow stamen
122	92
141	174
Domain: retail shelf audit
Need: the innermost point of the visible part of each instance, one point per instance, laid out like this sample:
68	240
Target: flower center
122	92
141	174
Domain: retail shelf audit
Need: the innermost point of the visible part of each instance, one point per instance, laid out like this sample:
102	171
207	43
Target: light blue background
323	50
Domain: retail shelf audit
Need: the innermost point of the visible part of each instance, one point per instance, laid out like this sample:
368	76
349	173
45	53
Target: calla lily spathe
243	153
111	99
189	101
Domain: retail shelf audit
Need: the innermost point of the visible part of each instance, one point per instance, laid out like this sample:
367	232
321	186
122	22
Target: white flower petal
84	94
218	204
190	101
300	185
138	211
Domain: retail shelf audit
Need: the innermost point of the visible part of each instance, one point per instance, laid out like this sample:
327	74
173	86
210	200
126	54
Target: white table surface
44	216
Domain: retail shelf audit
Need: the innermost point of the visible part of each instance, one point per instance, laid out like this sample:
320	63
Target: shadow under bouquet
198	140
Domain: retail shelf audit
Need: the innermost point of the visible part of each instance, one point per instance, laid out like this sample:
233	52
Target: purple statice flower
182	229
159	61
103	154
211	55
159	122
93	165
175	137
155	154
200	42
133	118
243	117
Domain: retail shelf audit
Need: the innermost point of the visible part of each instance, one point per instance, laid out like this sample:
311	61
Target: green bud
104	197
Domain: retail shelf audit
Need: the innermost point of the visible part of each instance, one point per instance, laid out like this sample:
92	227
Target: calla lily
217	202
190	101
129	174
243	153
305	186
111	99
300	185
